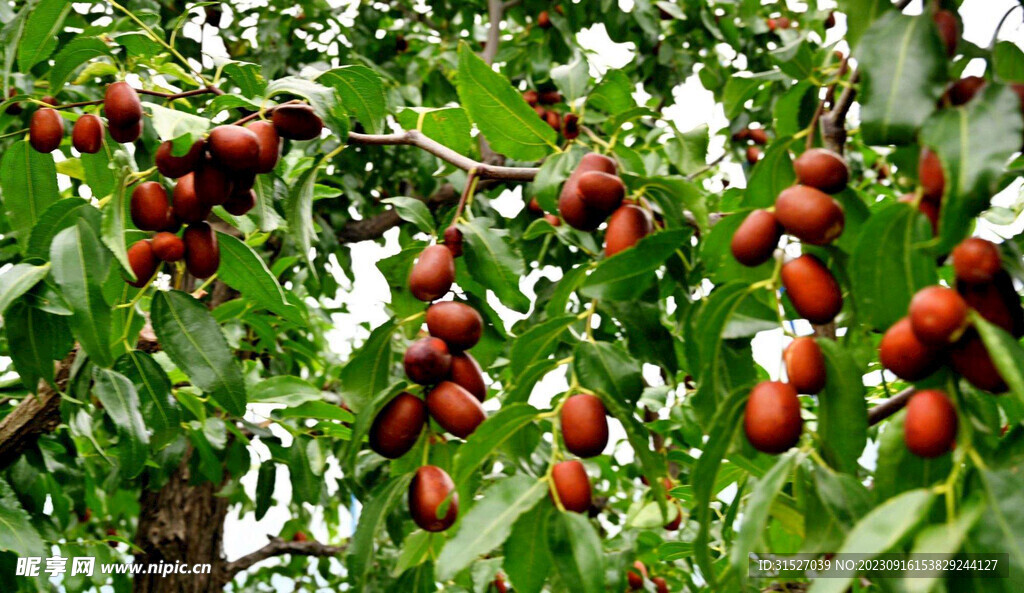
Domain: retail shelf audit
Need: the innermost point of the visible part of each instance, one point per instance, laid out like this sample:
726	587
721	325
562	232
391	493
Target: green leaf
1008	62
193	340
719	372
245	271
672	193
628	273
689	150
493	263
1006	353
537	342
364	419
500	112
607	369
652	463
489	522
572	78
739	90
75	53
716	253
414	211
19	279
842	495
38	338
414	552
265	480
99	175
900	470
40	37
17	534
362	94
263	212
758	509
902	65
299	210
112	226
770	176
305	486
171	123
842	410
860	14
247	76
720	435
80	265
28	180
121	404
154	390
973	142
448	125
284	389
889	265
879	531
495	432
375	511
59	216
1001	526
945	539
368	371
576	552
614	94
527	557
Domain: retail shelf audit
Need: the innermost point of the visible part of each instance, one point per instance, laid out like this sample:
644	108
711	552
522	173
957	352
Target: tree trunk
181	524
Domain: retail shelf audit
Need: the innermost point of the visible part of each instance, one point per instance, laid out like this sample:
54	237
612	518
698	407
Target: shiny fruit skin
534	207
626	227
173	167
756	238
398	425
453	240
466	373
976	261
571	126
531	97
660	584
997	302
455	409
550	97
905	355
240	202
753	154
758	136
554	120
822	169
544	20
572	485
87	134
269	145
297	122
636	577
805	365
202	255
213	185
809	214
121	105
427	361
812	289
938	315
187	206
601	191
433	273
963	90
570	206
971	359
168	247
553	220
458	324
929	428
930	175
772	419
149	206
674	524
429	488
126	134
584	425
949	30
13	108
143	262
235	148
46	130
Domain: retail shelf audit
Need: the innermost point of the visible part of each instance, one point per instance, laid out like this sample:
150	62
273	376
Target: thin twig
168	96
415	138
495	11
890	406
466	193
280	547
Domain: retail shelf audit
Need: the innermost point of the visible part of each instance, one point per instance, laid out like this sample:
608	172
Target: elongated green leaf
368	372
40	36
1001	526
973	143
80	265
299	210
245	271
500	111
900	470
879	531
415	550
28	180
305	486
59	216
527	558
414	211
719	262
680	200
448	125
902	66
842	410
121	404
722	369
154	390
538	342
842	495
757	510
492	434
18	280
639	438
284	389
378	505
193	340
859	16
1008	60
628	273
770	176
77	52
17	534
607	369
489	522
38	338
492	262
576	551
946	539
265	480
888	265
613	94
1007	354
115	214
362	94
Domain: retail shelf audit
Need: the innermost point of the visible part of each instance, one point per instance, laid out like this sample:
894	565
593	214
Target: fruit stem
206	283
467	194
594	137
413	317
156	38
14	133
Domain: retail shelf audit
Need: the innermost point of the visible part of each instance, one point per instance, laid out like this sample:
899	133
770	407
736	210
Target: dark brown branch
169	96
833	124
890	406
35	415
280	547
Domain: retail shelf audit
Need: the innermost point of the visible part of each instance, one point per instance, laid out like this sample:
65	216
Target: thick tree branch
35	415
833	124
415	138
890	406
280	547
495	11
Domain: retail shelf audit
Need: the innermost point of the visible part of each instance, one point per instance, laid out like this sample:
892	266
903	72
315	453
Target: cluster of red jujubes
454	380
218	170
638	574
937	331
754	138
568	125
593	193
